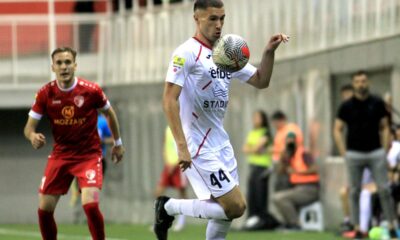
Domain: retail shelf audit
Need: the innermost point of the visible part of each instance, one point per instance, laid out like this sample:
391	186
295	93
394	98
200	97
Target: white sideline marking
11	232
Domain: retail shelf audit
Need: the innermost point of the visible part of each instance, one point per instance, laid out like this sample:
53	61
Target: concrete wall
304	87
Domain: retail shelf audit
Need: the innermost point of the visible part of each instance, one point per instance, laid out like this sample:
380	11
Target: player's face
64	66
210	22
360	84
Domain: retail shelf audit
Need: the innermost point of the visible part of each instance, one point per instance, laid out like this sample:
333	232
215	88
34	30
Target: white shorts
213	174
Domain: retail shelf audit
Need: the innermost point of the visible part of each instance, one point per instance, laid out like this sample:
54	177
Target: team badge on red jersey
79	101
90	175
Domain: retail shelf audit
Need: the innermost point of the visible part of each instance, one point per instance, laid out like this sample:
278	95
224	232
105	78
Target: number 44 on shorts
221	177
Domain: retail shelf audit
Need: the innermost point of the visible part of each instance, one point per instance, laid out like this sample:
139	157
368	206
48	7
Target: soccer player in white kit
195	99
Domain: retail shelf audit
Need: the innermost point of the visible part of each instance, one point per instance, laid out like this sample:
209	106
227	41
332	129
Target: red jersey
73	116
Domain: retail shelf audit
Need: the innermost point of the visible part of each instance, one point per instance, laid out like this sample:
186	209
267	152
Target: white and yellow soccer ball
230	53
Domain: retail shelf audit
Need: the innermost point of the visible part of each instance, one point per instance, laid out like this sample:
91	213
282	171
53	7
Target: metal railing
135	46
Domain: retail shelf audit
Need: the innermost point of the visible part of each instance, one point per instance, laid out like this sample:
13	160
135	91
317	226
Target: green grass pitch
142	232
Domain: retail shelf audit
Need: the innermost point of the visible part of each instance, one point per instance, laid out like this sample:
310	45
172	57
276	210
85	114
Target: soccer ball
230	53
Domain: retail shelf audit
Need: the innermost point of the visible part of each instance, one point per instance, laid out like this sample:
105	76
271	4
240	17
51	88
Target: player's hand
185	160
276	40
38	140
117	153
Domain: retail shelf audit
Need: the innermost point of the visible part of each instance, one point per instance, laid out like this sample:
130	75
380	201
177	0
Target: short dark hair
64	49
278	115
358	73
204	4
346	87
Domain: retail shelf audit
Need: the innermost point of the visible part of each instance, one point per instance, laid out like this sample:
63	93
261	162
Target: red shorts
59	174
176	179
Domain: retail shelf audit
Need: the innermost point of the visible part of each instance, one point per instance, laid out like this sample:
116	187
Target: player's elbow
263	84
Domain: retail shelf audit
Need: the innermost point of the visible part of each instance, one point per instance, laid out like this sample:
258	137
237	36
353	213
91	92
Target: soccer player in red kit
71	104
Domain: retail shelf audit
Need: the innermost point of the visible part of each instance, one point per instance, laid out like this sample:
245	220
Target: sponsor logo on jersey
178	61
79	100
215	104
68	113
90	175
56	102
208	56
219	74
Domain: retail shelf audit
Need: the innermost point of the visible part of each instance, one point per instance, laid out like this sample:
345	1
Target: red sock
48	226
95	220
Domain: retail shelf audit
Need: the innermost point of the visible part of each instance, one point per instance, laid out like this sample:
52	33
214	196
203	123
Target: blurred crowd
367	139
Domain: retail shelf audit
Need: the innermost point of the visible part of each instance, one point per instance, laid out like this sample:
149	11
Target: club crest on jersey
79	101
219	90
68	112
90	175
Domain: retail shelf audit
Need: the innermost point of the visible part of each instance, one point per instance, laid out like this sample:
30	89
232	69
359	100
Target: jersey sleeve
342	113
383	111
39	105
100	99
245	73
180	66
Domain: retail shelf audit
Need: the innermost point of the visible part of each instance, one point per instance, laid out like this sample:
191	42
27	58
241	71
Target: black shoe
346	227
162	221
393	234
359	235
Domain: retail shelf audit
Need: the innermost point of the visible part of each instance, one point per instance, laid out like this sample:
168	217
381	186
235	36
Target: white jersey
204	97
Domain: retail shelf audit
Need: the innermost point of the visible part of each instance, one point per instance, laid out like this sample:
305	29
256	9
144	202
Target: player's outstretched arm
37	140
171	109
263	75
118	150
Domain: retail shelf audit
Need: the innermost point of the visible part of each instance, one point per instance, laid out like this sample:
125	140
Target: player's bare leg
90	204
47	224
220	212
233	203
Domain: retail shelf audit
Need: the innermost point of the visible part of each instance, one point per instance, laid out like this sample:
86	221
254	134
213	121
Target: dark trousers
257	191
376	163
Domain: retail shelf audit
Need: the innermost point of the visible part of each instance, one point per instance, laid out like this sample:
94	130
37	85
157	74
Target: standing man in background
366	119
71	105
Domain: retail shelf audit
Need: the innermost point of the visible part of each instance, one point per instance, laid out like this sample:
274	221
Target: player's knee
276	198
236	210
47	203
